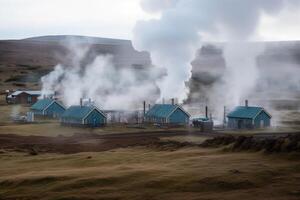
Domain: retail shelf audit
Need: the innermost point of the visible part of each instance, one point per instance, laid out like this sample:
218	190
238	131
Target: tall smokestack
80	102
144	107
172	101
224	119
206	112
246	103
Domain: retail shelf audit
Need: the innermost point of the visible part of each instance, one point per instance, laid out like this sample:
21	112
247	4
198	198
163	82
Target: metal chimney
224	119
80	102
144	107
206	112
246	103
172	101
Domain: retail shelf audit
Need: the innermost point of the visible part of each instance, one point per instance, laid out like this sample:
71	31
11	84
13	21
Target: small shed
248	117
23	97
89	116
48	107
167	114
205	124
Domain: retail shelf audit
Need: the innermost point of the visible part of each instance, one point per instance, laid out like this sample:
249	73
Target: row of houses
89	115
242	117
81	115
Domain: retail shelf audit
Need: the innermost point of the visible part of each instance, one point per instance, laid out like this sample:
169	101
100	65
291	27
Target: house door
240	124
262	124
94	123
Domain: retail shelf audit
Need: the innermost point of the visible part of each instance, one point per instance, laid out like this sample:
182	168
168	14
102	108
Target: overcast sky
108	18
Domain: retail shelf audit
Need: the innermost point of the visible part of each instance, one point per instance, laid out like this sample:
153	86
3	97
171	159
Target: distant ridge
77	38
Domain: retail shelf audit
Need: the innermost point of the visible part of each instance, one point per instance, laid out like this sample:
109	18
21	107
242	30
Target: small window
29	99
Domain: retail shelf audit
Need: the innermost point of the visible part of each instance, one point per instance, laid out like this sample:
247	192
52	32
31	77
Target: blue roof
161	110
42	104
246	112
78	112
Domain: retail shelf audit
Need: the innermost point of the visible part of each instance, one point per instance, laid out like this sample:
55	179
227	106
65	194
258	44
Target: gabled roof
43	104
247	112
30	92
79	112
163	110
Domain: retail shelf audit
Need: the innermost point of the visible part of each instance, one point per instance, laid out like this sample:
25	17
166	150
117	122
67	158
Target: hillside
278	68
23	62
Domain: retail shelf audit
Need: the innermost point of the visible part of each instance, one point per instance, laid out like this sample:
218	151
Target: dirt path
82	142
95	143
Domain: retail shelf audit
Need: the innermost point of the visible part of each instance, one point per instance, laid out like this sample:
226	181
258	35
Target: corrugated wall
95	119
179	117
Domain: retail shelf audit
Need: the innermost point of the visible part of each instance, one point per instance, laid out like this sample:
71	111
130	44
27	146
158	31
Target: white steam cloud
100	80
239	79
174	38
172	41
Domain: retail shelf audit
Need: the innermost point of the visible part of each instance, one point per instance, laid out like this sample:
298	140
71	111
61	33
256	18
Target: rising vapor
108	86
174	38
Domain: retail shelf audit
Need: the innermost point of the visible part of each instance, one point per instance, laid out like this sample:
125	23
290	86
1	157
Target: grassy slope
138	173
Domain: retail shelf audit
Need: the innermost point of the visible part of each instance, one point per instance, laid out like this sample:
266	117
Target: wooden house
48	108
87	116
167	114
23	97
248	117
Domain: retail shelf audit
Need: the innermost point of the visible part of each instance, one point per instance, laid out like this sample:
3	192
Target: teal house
88	116
248	117
48	108
167	114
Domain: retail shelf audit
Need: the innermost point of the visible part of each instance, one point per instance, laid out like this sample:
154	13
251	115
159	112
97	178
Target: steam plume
108	86
173	39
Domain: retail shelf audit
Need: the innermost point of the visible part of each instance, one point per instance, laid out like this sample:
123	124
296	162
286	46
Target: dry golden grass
53	128
7	110
188	138
139	173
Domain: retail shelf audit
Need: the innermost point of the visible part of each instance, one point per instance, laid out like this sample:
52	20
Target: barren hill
23	62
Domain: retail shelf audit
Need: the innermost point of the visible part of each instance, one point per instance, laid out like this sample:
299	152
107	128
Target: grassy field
137	171
140	173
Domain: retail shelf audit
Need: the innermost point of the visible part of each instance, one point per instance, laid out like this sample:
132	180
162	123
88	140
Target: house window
29	99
